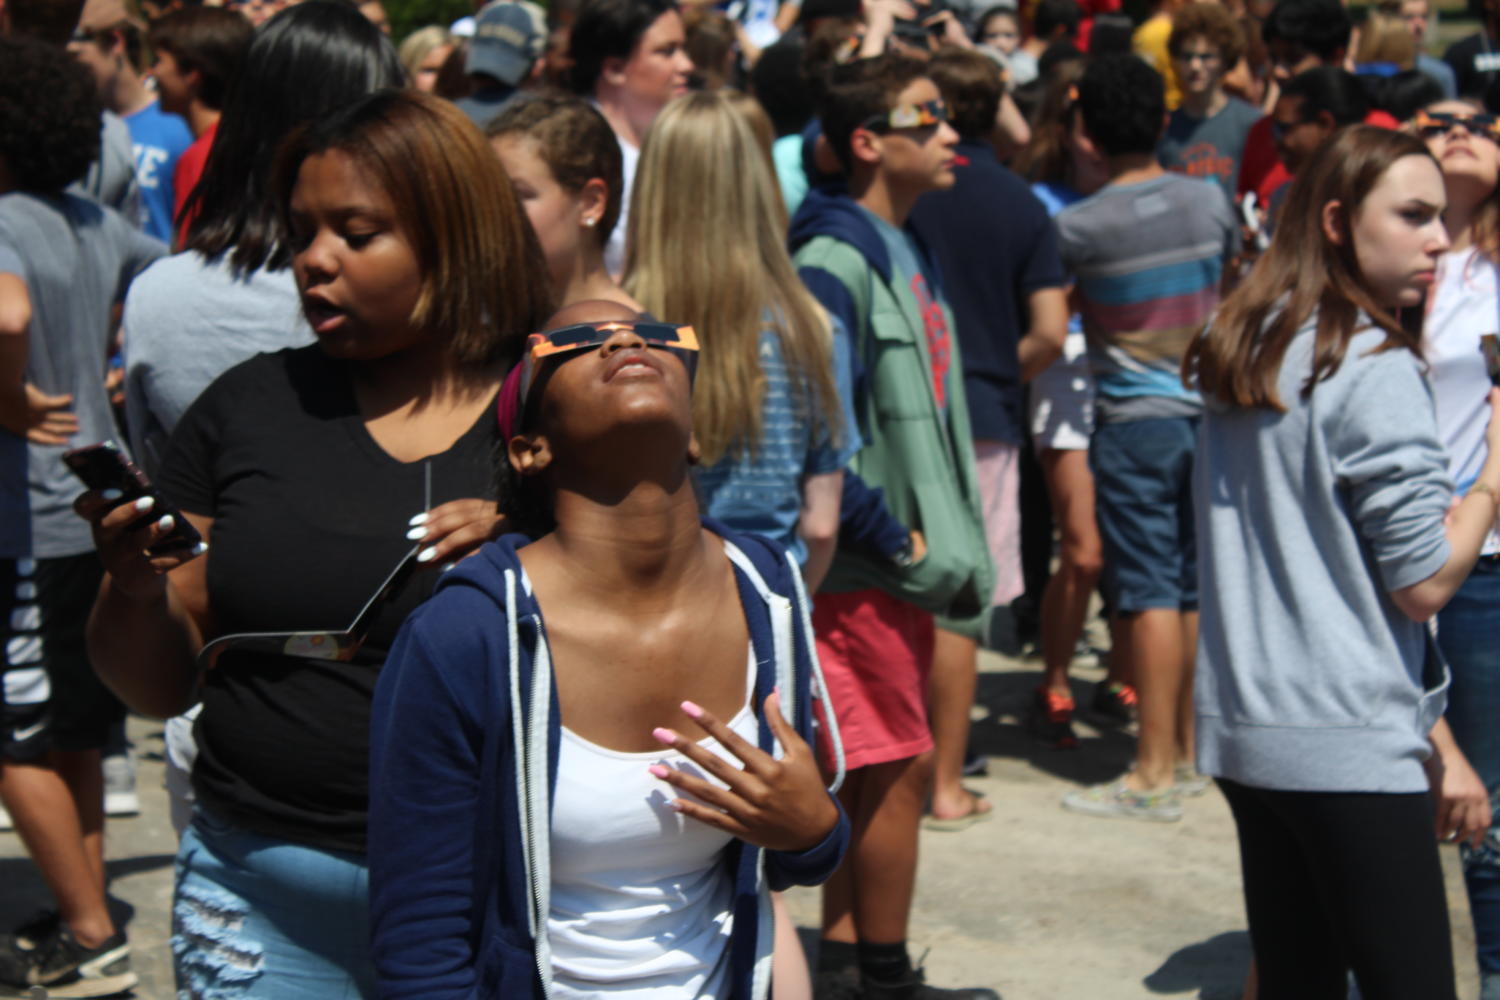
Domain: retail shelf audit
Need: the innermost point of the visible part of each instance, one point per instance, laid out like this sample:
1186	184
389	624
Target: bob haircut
484	283
575	142
608	29
304	62
1238	358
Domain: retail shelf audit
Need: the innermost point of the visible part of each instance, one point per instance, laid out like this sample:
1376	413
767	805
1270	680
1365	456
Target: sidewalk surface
1038	903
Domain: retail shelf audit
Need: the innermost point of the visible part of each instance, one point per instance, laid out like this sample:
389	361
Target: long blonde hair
707	247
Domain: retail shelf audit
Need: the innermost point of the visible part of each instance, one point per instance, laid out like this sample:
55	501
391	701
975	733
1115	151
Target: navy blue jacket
464	744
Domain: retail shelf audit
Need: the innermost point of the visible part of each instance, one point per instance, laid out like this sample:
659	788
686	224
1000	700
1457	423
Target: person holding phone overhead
303	470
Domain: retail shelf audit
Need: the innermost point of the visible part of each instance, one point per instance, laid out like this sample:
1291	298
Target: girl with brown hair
302	470
1329	535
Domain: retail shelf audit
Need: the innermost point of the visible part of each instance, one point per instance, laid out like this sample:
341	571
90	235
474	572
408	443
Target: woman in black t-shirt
302	471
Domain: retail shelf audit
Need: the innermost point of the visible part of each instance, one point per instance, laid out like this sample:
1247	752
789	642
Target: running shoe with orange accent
1114	703
1051	718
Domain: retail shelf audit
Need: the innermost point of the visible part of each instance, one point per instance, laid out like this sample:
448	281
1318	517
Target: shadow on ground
25	894
1215	968
1103	754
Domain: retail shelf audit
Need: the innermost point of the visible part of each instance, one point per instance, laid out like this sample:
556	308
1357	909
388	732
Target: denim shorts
1143	489
260	918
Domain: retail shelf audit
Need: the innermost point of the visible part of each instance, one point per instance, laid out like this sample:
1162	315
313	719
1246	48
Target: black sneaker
1051	719
1114	703
66	968
914	987
841	984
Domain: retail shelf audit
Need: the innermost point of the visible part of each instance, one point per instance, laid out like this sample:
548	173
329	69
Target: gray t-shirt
111	178
76	258
1309	676
187	321
1209	148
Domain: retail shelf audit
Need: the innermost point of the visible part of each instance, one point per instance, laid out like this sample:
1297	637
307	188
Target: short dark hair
1330	89
209	40
859	91
1320	26
1053	14
971	87
305	62
49	116
779	84
50	21
608	29
575	142
1123	104
1403	94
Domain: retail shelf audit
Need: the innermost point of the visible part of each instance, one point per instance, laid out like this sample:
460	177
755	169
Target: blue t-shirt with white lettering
159	138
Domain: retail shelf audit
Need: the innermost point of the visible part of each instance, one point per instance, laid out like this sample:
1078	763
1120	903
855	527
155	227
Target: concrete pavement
1039	903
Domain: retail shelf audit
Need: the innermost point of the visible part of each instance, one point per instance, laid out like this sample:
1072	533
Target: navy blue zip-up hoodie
464	744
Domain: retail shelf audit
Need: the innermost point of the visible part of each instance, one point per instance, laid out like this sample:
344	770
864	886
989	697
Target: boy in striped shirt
1148	252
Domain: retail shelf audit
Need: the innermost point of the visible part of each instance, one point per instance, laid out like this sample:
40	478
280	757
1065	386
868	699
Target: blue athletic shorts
1143	488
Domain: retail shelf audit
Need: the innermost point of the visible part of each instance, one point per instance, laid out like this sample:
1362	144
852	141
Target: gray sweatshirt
1309	676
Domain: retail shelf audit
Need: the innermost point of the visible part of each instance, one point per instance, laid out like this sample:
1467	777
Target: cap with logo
508	38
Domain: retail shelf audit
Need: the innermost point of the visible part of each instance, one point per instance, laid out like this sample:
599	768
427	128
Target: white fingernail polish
417	534
111	494
447	567
145	503
419	519
200	548
427	554
165	522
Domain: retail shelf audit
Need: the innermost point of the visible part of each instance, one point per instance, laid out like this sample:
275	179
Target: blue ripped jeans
258	918
1469	634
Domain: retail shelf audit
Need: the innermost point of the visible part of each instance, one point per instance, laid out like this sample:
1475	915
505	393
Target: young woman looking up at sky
576	789
1461	308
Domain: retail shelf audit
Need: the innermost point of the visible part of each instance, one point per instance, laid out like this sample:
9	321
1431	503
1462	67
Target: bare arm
151	616
1468	526
1011	123
25	410
1043	343
818	524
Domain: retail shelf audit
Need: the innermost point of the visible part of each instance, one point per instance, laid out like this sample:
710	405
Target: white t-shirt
1464	305
642	906
614	250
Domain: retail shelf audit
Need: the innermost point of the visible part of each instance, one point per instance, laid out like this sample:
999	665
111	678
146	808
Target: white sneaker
120	798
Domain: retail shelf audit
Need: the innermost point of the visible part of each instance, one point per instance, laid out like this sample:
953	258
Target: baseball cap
508	38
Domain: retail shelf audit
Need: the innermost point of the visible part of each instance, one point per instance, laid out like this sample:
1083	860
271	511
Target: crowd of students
672	401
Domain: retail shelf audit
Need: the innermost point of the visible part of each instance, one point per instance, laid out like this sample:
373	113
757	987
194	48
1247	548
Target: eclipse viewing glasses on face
566	341
1430	124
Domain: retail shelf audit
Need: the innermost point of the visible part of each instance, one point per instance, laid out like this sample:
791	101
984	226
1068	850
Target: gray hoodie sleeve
1392	469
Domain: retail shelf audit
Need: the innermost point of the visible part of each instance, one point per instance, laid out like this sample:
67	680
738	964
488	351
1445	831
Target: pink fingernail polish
664	735
692	710
657	771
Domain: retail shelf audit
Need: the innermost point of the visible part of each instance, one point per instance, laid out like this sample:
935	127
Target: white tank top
641	902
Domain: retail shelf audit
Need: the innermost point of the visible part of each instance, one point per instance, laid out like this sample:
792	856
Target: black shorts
50	698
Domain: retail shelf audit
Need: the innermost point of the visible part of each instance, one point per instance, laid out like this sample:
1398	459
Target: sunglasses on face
1431	124
908	116
1207	58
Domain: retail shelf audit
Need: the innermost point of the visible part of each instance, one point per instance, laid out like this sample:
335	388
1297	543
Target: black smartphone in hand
105	467
1489	346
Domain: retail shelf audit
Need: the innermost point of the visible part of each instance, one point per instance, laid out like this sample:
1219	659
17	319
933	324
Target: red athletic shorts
876	652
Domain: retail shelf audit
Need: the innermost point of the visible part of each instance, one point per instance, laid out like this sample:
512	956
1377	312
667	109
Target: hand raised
780	805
